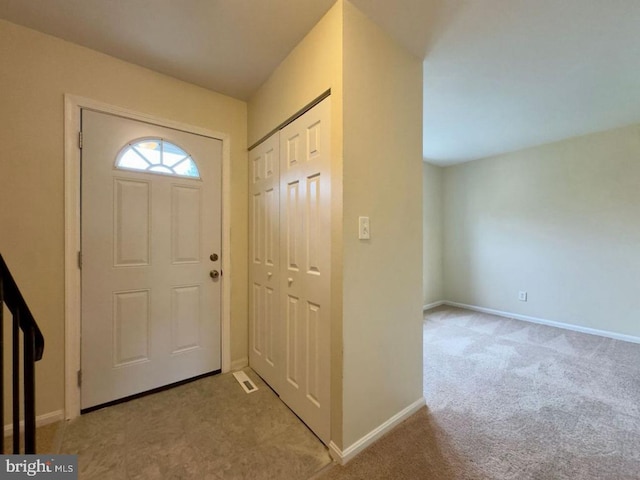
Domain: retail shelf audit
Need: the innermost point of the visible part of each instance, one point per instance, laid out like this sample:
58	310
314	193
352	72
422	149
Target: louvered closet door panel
265	335
305	240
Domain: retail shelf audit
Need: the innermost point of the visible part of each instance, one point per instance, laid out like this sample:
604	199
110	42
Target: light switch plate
364	230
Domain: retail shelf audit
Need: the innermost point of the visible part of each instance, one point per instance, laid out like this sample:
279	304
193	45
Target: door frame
72	275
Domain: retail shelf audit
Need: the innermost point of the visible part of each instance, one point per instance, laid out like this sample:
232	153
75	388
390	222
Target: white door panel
305	231
150	310
290	247
265	330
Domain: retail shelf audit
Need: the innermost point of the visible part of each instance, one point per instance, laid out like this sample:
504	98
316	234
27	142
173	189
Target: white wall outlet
522	296
364	231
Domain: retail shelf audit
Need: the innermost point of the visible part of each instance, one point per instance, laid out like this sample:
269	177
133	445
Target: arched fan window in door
156	155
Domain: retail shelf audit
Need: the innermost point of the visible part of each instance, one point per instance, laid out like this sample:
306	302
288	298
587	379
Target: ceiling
499	75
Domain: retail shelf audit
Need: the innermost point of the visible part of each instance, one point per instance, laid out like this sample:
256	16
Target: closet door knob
290	281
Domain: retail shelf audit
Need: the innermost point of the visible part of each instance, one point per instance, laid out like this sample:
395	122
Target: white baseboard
429	306
41	420
239	364
343	456
551	323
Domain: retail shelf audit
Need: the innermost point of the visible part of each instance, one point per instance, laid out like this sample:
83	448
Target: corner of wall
314	66
382	174
433	233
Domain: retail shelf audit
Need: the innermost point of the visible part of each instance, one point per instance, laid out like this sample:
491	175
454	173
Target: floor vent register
245	382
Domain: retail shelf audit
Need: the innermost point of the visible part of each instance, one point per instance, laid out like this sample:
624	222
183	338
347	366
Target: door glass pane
156	155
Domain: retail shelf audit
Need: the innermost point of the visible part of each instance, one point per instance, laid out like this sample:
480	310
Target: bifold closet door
290	250
265	328
305	248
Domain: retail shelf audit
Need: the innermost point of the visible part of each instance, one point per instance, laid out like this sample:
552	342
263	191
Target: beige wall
313	67
382	312
559	221
37	70
432	221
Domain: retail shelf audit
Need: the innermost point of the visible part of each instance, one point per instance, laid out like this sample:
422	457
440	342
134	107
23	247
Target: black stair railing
32	350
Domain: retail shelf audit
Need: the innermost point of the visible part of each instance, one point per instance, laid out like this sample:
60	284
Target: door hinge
80	140
80	260
79	378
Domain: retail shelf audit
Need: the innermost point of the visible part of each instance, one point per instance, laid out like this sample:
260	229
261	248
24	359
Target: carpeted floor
209	429
506	400
47	439
513	400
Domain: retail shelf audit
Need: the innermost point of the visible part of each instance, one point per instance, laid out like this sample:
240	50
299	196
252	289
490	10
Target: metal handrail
32	351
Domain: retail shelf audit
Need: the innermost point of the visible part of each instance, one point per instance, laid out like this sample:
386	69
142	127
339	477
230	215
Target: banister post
32	349
16	381
29	391
2	359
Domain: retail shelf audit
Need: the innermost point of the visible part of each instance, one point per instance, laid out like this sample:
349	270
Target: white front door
151	224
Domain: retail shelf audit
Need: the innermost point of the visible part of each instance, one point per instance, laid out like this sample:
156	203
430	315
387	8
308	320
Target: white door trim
72	107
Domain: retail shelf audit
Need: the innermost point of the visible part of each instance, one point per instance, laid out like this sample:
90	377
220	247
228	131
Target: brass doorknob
214	274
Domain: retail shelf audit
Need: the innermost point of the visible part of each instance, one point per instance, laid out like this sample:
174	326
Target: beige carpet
209	429
512	400
47	439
